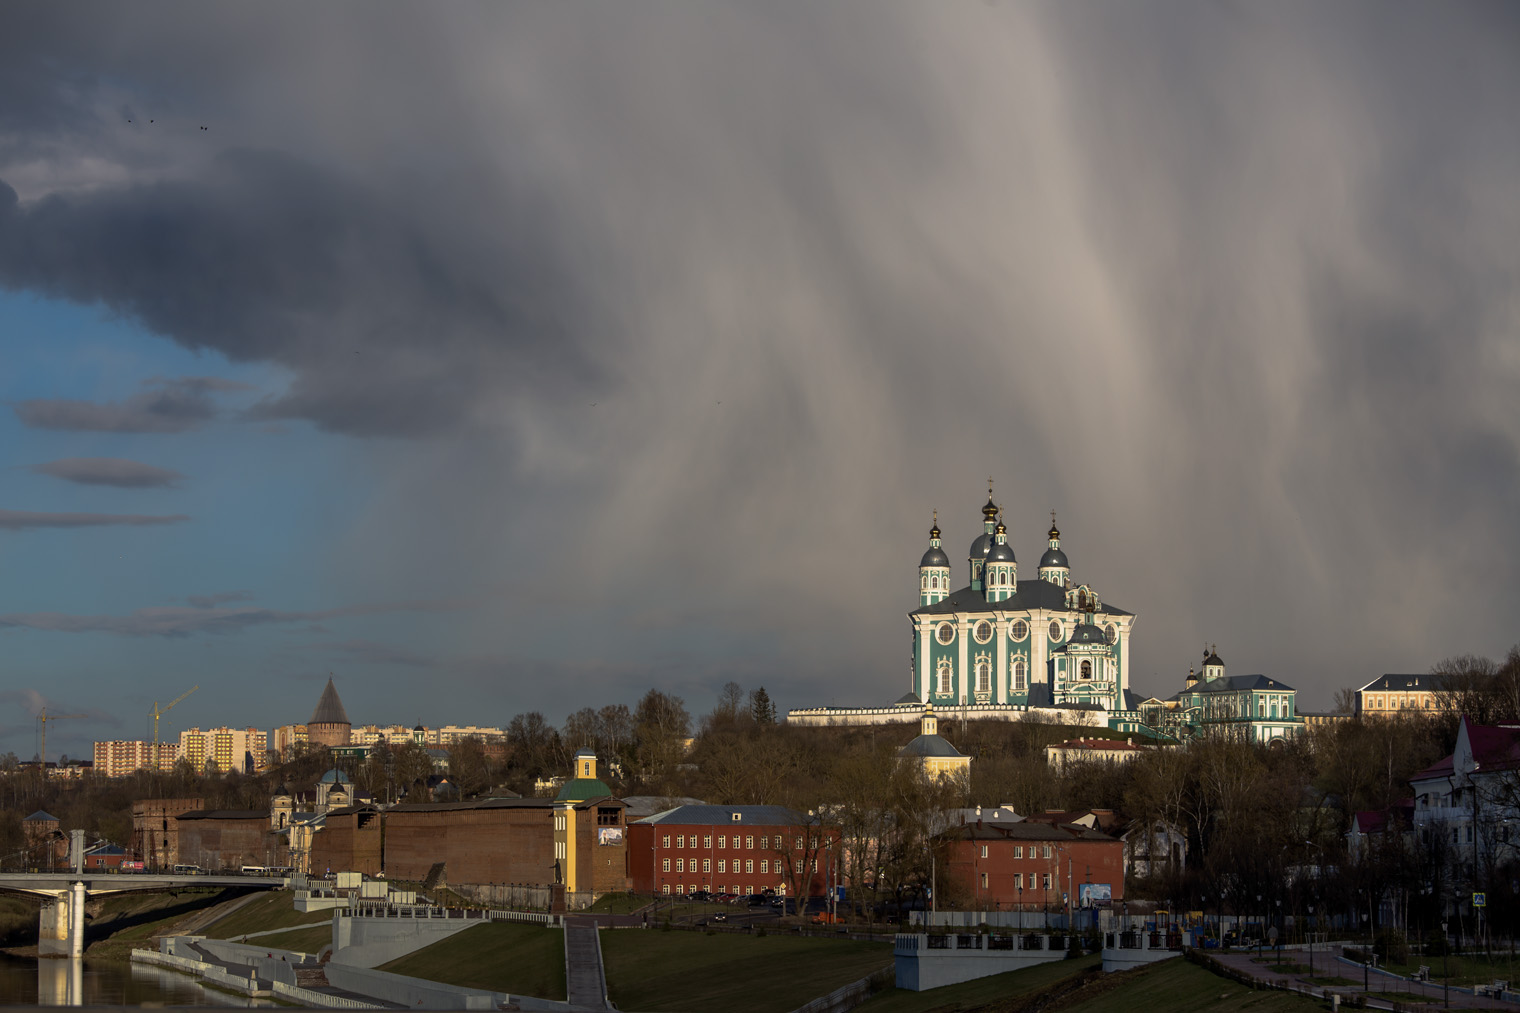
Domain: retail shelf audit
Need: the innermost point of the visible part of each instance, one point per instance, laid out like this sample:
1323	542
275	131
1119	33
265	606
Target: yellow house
931	751
1387	695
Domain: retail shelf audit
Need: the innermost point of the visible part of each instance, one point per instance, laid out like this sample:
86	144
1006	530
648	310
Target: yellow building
1388	695
933	753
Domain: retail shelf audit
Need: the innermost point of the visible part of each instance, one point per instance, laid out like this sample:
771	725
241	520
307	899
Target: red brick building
223	839
578	845
746	849
155	830
351	840
1030	865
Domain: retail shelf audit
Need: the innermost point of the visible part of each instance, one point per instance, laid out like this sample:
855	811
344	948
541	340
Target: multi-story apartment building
120	758
237	749
432	738
289	739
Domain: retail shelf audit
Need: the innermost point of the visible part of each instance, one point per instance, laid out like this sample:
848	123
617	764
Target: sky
505	357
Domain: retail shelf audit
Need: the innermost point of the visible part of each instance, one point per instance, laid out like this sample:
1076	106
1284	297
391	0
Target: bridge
60	923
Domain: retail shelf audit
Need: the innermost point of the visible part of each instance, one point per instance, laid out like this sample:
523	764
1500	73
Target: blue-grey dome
979	547
930	745
1088	634
335	776
1000	553
1054	557
935	557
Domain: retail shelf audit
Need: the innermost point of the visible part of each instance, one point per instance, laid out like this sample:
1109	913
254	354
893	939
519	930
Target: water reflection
32	982
60	982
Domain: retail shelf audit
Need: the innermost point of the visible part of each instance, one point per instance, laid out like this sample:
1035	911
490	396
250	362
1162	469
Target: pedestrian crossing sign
1480	900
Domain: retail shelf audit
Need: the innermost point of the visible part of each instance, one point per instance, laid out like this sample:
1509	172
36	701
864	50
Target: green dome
581	789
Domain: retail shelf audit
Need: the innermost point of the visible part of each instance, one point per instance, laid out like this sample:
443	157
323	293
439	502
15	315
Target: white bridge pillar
60	923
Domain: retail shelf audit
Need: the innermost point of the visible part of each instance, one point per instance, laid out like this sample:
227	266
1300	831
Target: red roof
1493	747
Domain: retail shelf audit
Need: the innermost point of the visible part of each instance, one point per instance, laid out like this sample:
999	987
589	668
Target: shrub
1391	946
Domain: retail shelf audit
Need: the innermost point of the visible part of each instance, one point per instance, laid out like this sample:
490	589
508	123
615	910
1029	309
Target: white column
964	674
1003	676
923	661
1123	661
1037	638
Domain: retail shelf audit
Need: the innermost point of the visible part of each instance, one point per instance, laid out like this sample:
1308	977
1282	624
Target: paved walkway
1326	965
585	980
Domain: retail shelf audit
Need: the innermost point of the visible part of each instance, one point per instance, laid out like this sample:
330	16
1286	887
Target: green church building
999	641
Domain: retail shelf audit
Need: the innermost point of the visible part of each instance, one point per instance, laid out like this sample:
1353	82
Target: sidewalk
1328	965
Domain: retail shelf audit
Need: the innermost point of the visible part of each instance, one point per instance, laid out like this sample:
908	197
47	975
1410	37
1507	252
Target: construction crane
43	717
158	712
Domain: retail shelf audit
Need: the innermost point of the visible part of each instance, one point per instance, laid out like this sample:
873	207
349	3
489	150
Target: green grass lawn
307	940
654	970
1006	987
1465	968
1176	986
18	920
272	910
499	956
128	920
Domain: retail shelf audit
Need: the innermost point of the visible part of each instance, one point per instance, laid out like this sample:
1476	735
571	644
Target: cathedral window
1019	630
983	677
1018	675
945	633
1110	633
983	632
1087	670
944	677
1055	629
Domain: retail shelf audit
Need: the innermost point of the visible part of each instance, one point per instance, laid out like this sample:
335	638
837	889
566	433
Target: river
32	982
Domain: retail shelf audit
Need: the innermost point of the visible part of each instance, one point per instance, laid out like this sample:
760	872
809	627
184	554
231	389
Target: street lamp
1260	931
1445	966
1311	940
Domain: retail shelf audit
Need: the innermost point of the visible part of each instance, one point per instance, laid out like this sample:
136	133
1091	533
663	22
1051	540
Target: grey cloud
181	621
371	652
206	601
1231	287
167	406
27	520
116	471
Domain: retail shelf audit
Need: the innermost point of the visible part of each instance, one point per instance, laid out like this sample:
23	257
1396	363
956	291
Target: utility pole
158	712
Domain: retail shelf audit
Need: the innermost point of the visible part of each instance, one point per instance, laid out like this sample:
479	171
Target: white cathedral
1001	647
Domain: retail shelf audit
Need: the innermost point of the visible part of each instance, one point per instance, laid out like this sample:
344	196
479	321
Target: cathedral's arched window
983	677
1018	675
1087	670
944	677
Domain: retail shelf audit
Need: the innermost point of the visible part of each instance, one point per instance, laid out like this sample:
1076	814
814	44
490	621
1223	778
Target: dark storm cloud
266	257
117	471
167	406
28	520
706	308
203	616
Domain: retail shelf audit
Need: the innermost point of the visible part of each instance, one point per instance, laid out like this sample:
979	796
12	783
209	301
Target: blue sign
1480	900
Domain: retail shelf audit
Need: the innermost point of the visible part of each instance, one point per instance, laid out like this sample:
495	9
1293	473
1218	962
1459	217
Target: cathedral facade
997	640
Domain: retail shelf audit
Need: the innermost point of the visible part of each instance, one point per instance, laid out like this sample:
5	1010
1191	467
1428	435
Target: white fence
223	978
